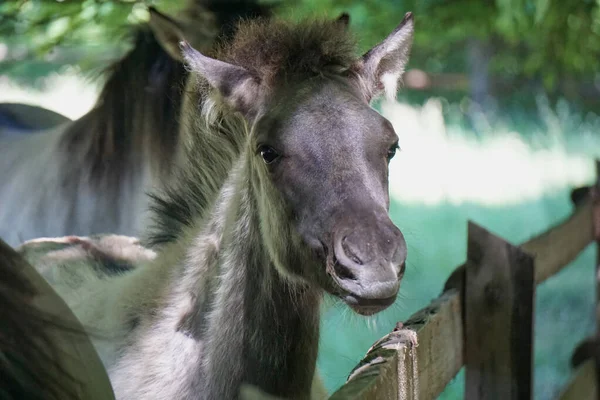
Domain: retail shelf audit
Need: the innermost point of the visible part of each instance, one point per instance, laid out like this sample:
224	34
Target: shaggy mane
138	109
276	48
124	123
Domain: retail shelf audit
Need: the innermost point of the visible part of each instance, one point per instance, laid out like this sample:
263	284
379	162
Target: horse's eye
392	151
268	154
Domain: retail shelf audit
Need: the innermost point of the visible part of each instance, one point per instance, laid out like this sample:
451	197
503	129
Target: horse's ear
344	20
167	32
238	86
382	66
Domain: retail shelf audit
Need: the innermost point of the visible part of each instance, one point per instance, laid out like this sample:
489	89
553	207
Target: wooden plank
553	250
556	248
439	330
583	385
499	301
374	378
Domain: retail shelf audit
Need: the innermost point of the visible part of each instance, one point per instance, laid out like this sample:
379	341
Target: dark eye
392	151
268	154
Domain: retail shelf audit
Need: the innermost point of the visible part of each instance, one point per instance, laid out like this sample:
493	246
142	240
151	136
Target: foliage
556	38
47	23
527	38
41	36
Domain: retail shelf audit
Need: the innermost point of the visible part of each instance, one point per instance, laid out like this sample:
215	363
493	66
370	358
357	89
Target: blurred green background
497	121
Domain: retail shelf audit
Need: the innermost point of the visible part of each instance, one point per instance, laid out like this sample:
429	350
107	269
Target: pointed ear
167	32
382	66
238	86
344	20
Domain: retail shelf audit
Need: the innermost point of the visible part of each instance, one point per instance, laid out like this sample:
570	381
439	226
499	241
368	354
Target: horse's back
73	263
17	118
46	190
35	201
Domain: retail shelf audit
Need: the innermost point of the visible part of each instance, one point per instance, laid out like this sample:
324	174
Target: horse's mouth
367	307
347	291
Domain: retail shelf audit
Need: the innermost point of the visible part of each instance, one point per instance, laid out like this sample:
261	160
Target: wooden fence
484	321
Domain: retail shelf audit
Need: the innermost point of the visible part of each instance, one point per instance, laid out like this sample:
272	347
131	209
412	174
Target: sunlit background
492	129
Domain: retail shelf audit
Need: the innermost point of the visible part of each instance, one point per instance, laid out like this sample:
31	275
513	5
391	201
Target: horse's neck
255	327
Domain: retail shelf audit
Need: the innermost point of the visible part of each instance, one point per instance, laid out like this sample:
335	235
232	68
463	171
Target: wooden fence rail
488	326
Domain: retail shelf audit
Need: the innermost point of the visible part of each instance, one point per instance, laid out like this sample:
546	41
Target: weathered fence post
389	370
499	303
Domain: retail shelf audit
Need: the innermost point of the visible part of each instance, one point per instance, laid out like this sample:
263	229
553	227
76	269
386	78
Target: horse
91	175
232	297
45	353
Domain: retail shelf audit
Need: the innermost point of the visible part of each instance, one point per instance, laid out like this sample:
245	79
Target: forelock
277	48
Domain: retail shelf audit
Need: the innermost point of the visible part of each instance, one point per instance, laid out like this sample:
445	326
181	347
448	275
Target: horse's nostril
343	272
